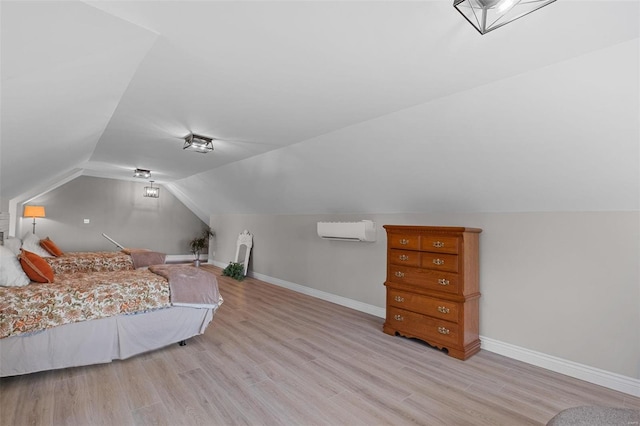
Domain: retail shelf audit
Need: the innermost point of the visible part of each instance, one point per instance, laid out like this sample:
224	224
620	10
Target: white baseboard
329	297
589	374
175	258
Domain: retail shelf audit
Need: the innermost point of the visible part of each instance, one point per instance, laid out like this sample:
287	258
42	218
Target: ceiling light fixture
487	15
151	191
198	143
142	173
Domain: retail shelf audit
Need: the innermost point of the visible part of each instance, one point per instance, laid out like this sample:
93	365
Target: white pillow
31	242
11	273
13	244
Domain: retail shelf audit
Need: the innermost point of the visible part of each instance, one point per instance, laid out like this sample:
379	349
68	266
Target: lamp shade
487	15
34	211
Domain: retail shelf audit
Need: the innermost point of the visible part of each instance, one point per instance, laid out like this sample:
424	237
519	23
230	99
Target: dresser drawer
430	306
439	261
440	243
404	241
429	329
424	278
404	257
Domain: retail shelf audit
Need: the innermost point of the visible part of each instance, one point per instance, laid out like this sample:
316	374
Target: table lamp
34	211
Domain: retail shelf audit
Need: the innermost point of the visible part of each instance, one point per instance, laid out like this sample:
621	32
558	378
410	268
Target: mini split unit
365	230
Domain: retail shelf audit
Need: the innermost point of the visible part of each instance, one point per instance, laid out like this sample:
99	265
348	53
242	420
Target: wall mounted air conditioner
365	230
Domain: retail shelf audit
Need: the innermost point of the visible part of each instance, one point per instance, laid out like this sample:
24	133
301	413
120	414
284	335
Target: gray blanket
142	257
190	286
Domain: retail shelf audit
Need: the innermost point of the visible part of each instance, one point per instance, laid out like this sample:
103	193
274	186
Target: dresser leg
387	329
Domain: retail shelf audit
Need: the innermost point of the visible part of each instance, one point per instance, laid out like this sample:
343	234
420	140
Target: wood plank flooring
276	357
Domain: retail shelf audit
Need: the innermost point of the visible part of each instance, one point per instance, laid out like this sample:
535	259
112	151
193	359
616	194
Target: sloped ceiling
326	106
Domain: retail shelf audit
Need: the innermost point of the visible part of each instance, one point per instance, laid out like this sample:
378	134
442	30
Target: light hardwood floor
276	357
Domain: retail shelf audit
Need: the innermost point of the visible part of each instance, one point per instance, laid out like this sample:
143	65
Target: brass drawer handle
438	261
403	257
443	309
398	317
443	330
404	242
438	244
398	299
399	274
443	281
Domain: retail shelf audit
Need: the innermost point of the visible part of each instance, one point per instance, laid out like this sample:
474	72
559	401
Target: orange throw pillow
51	247
36	268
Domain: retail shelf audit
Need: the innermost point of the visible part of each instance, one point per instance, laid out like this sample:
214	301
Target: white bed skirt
100	341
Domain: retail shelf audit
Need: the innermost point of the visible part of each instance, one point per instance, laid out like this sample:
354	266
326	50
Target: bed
103	261
98	261
88	318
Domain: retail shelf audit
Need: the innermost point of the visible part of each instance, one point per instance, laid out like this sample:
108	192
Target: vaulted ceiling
326	106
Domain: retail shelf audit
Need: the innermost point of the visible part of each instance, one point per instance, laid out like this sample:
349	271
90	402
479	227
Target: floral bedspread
79	297
95	261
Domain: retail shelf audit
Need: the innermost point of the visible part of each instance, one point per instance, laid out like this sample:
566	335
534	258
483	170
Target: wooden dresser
432	286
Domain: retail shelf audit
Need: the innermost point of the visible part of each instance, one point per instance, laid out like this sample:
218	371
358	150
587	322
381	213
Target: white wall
546	162
118	209
563	284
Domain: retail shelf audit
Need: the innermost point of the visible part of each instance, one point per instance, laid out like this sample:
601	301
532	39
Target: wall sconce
33	211
151	191
198	143
142	173
487	15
